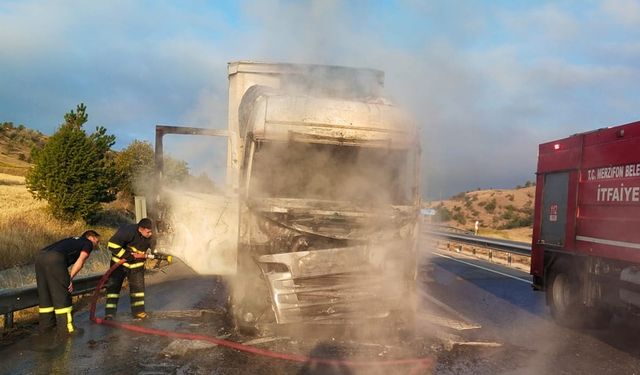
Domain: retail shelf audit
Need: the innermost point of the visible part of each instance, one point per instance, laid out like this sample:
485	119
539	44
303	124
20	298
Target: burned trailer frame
161	131
324	173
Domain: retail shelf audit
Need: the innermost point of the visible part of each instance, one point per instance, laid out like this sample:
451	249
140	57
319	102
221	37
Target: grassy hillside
500	212
16	143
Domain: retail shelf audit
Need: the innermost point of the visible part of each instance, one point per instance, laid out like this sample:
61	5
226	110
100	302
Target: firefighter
55	281
130	242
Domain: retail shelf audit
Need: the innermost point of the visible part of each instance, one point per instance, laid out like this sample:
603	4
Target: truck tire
252	319
563	297
249	303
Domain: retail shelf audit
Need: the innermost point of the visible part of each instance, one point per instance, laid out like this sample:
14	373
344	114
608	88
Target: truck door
554	208
202	228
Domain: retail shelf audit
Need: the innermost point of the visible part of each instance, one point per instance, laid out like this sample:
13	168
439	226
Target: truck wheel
250	306
563	297
252	320
567	309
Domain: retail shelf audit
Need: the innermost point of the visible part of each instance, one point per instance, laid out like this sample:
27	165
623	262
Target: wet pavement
470	321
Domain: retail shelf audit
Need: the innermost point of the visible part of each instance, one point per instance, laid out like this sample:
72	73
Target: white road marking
484	268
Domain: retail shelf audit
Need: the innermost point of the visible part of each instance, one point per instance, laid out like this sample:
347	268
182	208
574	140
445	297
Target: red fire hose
418	363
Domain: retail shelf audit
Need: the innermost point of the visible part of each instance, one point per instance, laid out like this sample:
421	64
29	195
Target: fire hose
420	364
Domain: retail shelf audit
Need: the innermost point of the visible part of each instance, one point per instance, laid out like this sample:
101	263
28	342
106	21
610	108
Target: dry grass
7	179
26	226
12	166
517	234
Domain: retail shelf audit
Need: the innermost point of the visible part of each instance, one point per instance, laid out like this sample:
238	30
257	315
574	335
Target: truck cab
319	220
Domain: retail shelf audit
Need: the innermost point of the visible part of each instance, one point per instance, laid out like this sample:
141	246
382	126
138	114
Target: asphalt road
502	302
474	318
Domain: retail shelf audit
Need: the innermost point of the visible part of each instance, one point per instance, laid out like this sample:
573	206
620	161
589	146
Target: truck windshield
361	175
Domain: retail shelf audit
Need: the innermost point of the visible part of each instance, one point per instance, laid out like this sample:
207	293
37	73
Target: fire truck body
586	235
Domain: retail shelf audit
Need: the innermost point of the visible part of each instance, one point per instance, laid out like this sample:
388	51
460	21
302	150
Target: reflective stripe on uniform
139	303
135	265
44	310
139	294
63	310
111	305
135	250
113	295
115	246
66	310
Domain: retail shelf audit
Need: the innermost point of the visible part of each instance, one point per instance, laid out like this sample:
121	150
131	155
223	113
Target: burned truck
319	218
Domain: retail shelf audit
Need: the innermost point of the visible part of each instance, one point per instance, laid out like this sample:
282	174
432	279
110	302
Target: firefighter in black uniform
130	242
55	281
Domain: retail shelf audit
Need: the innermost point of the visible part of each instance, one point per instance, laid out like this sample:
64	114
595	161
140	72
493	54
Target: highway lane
513	333
501	300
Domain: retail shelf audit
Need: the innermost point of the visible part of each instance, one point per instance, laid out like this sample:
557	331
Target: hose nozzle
160	256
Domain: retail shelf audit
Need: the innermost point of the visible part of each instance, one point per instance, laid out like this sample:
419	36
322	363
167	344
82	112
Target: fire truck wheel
564	299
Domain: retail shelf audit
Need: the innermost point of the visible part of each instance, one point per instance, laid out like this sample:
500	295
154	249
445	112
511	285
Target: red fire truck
586	234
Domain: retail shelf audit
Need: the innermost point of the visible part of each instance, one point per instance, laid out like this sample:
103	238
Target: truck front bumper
337	285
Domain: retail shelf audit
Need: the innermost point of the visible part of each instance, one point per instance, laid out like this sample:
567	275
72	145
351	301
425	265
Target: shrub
442	214
491	206
459	217
74	171
509	215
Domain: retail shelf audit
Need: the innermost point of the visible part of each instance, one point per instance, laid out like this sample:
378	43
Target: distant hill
506	213
16	143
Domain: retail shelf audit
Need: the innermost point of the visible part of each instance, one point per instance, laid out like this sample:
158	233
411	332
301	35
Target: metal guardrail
512	247
12	300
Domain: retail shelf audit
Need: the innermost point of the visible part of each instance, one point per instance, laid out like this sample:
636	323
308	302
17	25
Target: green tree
136	168
135	165
75	171
175	170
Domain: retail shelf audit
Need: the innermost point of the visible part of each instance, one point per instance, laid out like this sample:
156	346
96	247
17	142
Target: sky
486	81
